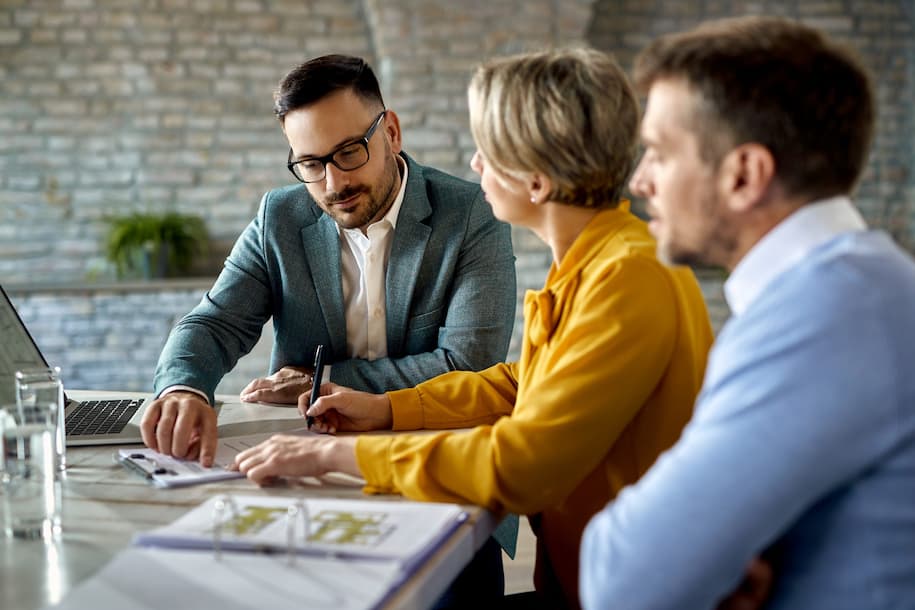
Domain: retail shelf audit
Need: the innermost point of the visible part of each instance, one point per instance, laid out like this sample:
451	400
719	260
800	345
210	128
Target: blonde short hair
568	114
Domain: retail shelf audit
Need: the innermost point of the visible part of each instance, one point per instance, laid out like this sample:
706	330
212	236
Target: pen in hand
316	383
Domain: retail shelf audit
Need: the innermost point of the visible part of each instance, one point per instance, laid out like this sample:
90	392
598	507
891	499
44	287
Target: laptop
112	419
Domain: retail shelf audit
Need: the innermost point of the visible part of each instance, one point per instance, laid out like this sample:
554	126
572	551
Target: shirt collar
787	244
394	211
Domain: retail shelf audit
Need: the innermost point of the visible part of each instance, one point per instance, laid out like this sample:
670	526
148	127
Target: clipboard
166	471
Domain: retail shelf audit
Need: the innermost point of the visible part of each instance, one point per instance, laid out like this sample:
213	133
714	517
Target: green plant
154	245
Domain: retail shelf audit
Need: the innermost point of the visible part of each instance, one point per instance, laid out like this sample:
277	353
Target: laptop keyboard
94	417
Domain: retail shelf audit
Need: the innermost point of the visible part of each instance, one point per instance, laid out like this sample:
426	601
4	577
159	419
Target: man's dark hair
779	83
319	77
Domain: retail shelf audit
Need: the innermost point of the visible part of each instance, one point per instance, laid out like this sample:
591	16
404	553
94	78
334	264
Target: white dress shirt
364	265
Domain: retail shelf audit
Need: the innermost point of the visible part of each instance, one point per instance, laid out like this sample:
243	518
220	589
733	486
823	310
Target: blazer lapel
322	254
407	251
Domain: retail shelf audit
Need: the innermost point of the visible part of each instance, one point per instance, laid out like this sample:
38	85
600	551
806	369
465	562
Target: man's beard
379	199
715	246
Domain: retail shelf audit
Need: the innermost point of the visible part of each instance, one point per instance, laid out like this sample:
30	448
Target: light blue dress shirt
803	440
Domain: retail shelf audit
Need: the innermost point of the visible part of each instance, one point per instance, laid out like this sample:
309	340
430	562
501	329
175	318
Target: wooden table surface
104	505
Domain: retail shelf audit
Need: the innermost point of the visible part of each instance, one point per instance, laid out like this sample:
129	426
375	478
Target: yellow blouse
613	356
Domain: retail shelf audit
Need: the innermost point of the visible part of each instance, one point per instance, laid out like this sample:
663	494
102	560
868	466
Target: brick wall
883	32
109	337
109	106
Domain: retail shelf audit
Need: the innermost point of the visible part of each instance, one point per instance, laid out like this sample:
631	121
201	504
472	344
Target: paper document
363	529
166	471
141	579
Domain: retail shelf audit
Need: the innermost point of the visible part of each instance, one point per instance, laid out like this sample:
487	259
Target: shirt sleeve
593	376
780	424
183	388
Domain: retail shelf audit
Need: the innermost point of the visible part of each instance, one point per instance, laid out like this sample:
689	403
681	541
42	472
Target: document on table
166	471
406	532
244	552
146	579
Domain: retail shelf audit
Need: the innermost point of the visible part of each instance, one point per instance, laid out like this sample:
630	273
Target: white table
104	505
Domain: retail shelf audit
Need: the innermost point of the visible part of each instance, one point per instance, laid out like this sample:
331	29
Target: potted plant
154	245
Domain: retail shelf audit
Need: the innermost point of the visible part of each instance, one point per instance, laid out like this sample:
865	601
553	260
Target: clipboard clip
144	465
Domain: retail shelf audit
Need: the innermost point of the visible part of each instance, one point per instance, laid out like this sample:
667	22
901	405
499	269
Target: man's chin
665	257
348	221
672	257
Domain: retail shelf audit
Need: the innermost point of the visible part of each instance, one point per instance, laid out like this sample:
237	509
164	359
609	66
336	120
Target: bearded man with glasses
400	271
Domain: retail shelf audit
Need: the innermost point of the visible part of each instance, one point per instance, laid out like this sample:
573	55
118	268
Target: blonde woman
614	344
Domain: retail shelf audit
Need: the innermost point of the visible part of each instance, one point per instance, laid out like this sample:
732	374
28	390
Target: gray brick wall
883	32
110	337
110	106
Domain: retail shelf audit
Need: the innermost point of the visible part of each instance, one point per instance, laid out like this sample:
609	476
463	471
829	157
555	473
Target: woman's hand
342	409
297	456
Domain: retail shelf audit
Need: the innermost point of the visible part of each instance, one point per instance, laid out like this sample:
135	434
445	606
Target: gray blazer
450	292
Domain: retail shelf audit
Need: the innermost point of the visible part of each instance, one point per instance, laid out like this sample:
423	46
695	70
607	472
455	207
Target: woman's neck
561	224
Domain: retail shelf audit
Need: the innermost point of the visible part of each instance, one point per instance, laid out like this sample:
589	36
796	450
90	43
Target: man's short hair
317	78
571	115
778	83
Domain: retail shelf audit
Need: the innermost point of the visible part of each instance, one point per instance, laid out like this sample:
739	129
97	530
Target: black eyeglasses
348	157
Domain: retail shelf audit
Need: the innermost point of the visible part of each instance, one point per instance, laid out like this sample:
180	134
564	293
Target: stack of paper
363	529
252	552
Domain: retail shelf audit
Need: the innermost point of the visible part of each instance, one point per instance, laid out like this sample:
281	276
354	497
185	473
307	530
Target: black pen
316	383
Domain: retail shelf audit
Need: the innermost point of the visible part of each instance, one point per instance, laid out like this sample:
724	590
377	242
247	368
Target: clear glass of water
42	386
30	493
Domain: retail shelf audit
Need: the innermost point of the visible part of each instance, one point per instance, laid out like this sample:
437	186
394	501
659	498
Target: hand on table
343	409
282	387
181	424
297	456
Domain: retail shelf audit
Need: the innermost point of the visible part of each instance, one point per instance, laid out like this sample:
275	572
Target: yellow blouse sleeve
460	399
610	347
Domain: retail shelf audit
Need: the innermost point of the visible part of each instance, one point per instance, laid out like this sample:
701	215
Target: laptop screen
17	349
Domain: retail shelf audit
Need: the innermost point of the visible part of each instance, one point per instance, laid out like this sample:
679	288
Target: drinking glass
42	386
30	493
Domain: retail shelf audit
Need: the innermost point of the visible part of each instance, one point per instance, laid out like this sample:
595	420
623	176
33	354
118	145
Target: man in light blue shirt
802	446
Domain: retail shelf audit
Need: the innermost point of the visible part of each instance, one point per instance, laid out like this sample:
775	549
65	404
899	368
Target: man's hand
754	589
181	424
296	456
343	409
283	387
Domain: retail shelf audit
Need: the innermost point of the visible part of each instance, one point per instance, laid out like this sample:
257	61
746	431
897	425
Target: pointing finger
208	439
148	424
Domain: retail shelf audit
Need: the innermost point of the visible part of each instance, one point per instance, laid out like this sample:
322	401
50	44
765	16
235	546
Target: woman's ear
745	176
540	188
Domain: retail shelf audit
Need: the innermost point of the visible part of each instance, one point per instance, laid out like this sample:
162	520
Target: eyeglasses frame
329	158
